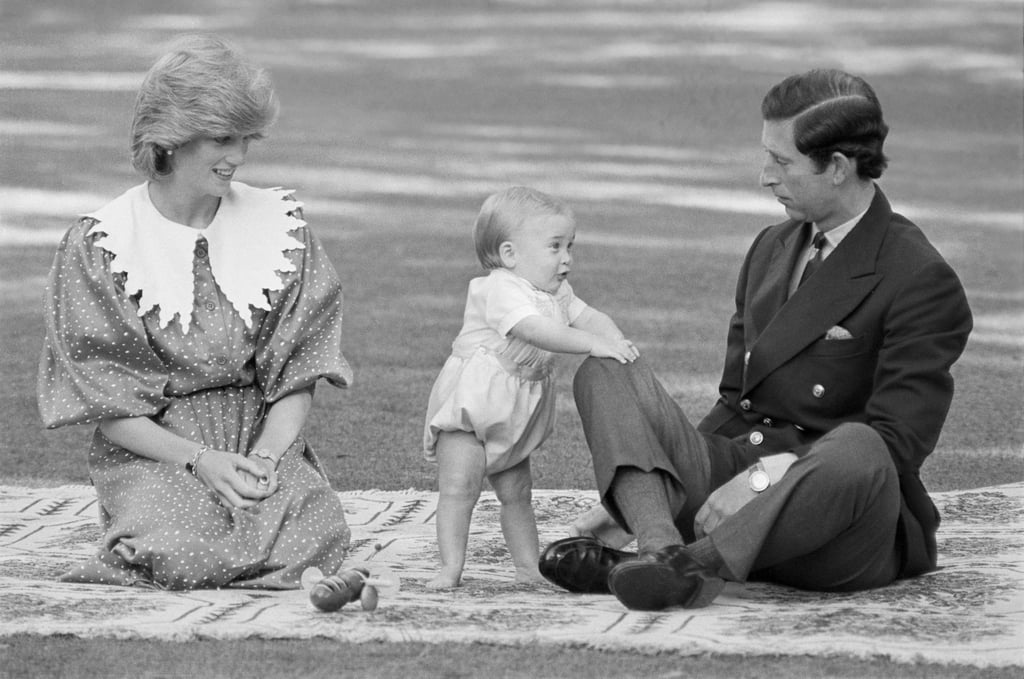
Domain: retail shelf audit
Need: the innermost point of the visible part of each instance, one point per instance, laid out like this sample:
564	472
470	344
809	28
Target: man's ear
841	167
507	253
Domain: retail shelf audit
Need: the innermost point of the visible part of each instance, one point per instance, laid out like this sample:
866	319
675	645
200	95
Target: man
835	387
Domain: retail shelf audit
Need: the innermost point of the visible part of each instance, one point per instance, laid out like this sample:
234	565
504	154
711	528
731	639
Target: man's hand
731	496
725	501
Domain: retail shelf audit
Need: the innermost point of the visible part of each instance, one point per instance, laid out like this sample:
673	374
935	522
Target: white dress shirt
833	237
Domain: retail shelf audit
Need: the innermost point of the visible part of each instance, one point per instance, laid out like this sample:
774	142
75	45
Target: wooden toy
363	582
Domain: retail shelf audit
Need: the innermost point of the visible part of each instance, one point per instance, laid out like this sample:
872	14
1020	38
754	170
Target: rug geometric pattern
969	611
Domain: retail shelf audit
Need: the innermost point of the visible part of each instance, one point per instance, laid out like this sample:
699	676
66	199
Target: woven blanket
969	611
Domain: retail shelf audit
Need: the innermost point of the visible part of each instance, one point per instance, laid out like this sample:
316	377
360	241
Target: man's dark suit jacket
784	384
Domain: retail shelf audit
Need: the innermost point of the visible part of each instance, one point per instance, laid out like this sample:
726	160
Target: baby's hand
622	350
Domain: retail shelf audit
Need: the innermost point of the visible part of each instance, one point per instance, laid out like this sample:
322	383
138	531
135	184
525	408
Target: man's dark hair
833	111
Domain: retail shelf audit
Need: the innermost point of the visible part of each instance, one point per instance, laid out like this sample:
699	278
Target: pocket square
838	332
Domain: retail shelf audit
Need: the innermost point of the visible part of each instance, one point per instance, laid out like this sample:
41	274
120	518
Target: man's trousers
829	524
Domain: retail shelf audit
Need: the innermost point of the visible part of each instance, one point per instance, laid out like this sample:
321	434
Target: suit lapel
771	294
844	279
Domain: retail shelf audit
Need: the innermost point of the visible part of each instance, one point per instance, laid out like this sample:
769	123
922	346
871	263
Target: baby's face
542	250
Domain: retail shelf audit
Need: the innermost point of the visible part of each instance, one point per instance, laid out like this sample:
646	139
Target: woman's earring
170	152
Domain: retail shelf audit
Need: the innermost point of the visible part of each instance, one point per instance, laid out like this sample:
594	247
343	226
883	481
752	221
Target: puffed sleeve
300	339
96	361
509	301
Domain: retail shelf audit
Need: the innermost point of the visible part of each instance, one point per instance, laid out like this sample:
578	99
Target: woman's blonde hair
202	87
504	212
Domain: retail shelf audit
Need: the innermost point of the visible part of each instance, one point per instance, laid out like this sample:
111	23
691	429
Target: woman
191	318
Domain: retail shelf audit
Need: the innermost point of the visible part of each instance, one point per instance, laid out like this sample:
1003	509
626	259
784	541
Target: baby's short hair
504	212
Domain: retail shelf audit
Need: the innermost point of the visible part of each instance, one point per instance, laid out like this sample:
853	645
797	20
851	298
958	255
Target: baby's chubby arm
551	335
599	323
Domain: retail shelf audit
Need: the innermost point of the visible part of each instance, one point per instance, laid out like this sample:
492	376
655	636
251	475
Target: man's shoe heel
648	587
671	579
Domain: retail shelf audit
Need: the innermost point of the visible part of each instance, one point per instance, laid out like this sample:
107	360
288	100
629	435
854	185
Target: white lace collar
246	240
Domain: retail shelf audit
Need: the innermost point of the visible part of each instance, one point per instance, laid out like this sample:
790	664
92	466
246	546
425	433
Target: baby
493	403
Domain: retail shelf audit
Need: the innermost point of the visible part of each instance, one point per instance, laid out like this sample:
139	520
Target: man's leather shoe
581	564
670	577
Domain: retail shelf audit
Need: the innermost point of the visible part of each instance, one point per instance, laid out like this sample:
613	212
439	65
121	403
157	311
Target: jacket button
818	391
756	437
745	404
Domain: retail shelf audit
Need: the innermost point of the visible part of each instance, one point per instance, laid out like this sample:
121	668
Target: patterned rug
970	611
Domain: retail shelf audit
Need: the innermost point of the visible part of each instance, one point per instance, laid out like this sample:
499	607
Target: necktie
812	264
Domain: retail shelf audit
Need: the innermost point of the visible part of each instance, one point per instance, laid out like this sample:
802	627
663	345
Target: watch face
759	480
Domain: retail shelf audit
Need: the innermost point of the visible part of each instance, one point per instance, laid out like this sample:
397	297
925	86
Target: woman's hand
235	479
266	479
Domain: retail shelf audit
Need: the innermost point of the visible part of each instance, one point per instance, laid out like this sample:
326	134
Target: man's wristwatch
757	477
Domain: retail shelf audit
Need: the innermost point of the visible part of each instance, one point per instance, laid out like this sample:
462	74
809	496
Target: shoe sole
652	586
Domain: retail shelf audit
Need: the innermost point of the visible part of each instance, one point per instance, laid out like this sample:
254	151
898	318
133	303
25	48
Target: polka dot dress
212	384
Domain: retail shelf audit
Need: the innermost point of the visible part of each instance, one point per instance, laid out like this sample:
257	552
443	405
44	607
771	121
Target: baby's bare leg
514	489
460	475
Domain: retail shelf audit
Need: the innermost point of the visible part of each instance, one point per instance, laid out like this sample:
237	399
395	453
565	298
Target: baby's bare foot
529	577
444	580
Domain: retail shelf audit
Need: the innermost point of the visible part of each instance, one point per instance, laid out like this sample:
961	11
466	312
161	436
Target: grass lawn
400	117
322	658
